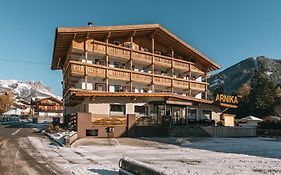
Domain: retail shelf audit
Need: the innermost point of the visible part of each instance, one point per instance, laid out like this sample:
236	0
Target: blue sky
227	31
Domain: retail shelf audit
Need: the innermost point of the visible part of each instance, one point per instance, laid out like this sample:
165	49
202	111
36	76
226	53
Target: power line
24	61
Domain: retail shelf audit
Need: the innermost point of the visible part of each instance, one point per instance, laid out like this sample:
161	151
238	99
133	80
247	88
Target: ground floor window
117	108
141	110
192	114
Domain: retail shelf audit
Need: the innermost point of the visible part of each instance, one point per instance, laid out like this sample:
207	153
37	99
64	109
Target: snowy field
198	156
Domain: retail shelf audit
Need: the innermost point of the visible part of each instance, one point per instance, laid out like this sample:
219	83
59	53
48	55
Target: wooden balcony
158	60
96	71
141	78
181	65
118	52
77	69
162	81
198	86
98	48
118	75
193	68
181	84
142	57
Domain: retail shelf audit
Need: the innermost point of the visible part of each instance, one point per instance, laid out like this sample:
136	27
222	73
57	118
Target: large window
141	110
117	108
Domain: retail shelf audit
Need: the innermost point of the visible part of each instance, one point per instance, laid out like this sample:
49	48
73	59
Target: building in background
47	109
145	70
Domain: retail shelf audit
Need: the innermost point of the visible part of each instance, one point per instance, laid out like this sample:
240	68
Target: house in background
145	71
47	109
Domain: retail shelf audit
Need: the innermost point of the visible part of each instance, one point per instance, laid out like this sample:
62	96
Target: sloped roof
64	36
250	118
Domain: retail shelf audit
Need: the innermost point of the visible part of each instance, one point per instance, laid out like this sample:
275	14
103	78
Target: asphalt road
17	154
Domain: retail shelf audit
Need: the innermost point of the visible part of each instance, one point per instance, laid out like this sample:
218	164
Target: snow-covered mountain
235	76
25	90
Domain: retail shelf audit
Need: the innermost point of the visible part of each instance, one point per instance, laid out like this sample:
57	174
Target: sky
227	31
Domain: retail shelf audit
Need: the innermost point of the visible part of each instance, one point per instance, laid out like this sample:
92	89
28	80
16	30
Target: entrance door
178	114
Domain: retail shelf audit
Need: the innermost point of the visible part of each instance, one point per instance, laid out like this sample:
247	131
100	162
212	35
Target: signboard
226	98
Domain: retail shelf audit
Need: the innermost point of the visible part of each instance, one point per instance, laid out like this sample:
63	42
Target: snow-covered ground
200	156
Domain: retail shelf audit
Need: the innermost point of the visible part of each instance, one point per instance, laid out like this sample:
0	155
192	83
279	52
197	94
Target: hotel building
110	72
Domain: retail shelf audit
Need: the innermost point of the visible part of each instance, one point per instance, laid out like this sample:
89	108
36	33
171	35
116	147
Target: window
192	114
158	52
117	64
100	86
141	110
207	114
127	45
117	108
145	49
126	89
99	62
117	88
116	42
145	69
94	132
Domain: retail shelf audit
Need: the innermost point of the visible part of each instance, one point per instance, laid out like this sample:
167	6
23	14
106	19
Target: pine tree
262	94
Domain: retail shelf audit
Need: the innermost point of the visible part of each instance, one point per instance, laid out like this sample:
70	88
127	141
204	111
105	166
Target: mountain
235	76
25	90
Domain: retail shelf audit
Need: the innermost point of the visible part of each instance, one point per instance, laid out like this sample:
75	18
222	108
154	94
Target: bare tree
6	101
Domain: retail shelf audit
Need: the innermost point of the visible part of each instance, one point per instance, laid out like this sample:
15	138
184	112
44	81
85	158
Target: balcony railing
162	81
118	75
118	52
181	84
197	86
78	69
95	71
145	57
141	78
162	61
142	57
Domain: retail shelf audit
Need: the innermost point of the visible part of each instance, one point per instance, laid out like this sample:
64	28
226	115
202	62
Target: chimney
90	24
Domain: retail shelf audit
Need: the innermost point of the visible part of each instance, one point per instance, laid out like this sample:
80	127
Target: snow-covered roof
251	118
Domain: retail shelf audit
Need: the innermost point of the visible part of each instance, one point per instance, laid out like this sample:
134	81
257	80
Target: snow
202	156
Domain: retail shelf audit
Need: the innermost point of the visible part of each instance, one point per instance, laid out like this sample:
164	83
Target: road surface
18	156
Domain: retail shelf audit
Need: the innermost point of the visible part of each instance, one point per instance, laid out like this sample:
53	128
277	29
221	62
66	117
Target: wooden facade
148	58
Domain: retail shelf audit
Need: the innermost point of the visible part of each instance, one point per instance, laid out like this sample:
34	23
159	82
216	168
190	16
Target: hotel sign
226	99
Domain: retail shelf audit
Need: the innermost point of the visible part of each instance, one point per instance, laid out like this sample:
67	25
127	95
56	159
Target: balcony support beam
152	62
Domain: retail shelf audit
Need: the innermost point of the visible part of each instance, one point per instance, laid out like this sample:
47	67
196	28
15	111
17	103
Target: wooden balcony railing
162	61
181	65
143	57
77	68
118	75
193	68
181	84
141	78
162	81
146	57
197	86
118	52
98	48
95	71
